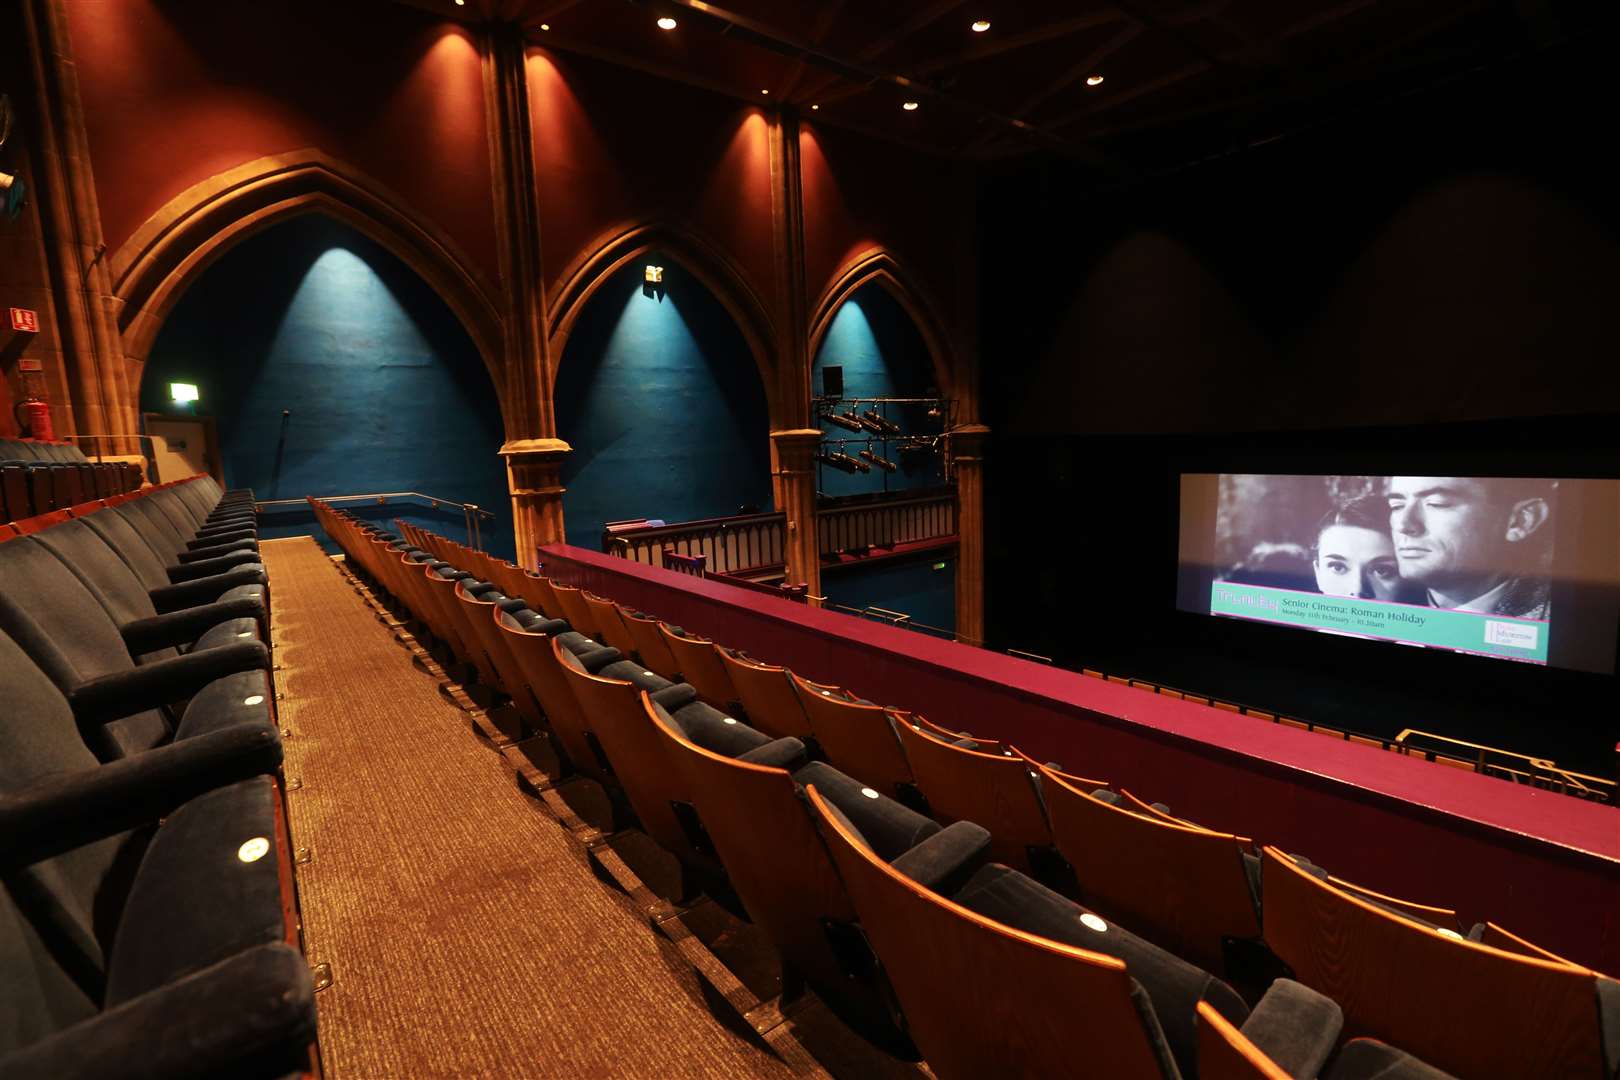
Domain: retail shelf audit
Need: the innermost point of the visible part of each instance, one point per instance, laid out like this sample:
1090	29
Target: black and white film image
1458	542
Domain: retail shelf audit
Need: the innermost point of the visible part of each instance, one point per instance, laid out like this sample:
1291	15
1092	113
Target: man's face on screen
1447	532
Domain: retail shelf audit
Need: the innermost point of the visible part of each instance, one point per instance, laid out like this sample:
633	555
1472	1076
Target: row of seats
718	767
37	477
146	913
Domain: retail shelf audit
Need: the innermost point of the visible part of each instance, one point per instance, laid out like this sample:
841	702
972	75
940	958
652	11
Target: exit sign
24	320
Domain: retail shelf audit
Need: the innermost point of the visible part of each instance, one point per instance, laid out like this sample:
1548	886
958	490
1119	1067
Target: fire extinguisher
34	414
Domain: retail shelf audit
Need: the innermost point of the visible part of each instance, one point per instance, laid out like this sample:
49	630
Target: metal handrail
1539	768
472	514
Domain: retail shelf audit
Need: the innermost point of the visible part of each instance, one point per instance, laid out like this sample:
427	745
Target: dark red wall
177	92
614	146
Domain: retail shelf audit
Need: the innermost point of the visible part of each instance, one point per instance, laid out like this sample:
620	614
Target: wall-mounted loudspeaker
832	381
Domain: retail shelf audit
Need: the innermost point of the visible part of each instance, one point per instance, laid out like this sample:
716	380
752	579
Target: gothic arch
155	266
877	265
616	248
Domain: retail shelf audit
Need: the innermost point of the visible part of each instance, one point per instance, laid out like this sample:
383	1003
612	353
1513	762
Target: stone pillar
534	476
794	479
533	453
967	461
105	393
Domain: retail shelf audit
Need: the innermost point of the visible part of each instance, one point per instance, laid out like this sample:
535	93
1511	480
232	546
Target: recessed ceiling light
910	106
981	25
545	26
667	23
1094	80
764	91
813	108
461	3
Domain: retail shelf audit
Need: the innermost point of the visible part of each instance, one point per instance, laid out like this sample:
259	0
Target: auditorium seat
652	648
1185	888
1226	1053
996	791
572	606
697	661
126	600
176	969
123	709
480	609
752	809
531	648
767	695
857	736
1443	919
605	615
1002	976
171	589
610	703
1496	937
1467	1008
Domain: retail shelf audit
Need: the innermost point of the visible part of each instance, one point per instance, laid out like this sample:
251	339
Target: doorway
183	446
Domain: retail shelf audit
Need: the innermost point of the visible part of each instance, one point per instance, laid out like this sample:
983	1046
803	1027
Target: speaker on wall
832	381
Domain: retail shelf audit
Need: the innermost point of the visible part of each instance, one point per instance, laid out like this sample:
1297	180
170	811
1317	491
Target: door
179	447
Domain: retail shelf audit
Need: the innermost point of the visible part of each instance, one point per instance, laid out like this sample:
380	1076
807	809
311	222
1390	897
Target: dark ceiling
1181	79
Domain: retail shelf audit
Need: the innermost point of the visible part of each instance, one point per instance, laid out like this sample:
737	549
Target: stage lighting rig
879	460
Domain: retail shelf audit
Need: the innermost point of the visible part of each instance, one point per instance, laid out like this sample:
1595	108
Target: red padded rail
1545	865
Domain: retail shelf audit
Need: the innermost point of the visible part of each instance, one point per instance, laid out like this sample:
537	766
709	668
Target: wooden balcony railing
730	544
753	542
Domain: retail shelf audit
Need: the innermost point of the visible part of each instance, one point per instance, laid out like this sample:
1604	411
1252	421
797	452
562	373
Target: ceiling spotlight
813	108
667	23
981	25
461	3
910	106
545	26
1094	80
764	91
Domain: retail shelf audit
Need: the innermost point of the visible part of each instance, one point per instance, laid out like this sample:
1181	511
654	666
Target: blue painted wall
386	390
883	355
909	585
662	403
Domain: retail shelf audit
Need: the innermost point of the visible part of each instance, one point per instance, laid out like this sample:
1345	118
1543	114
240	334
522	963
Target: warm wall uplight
981	26
667	23
910	106
1094	80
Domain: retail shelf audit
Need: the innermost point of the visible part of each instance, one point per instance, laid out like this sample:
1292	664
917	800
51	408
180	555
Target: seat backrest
122	594
1467	1008
605	616
612	706
576	610
1442	917
136	551
67	631
154	525
1499	938
697	661
39	739
983	999
536	592
767	696
39	996
992	790
650	644
174	504
1183	888
855	736
542	672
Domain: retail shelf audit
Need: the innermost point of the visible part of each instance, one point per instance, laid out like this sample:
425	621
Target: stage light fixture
847	421
182	393
1094	80
653	275
910	106
880	425
879	460
667	23
981	25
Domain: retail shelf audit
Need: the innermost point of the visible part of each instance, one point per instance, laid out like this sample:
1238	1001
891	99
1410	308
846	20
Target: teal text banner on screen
1464	631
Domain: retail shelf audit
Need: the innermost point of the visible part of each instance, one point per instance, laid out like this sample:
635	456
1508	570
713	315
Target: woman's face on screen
1356	561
